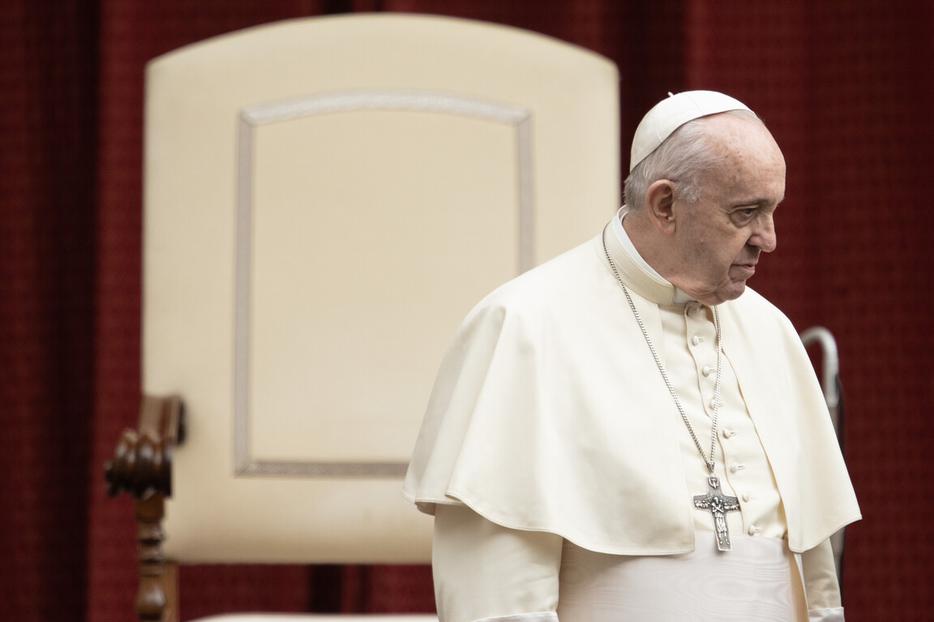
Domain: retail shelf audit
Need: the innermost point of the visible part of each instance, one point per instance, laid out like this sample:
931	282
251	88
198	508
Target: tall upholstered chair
325	199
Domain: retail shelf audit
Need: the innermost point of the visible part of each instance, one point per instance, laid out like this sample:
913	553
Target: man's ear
659	202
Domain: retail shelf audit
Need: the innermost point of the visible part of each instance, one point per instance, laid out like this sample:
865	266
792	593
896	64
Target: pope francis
629	433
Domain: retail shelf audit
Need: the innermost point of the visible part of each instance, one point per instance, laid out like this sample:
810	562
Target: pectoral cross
718	504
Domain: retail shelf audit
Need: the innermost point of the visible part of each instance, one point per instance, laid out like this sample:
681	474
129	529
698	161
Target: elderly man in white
628	432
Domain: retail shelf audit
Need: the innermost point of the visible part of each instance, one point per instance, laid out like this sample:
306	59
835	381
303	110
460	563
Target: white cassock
561	476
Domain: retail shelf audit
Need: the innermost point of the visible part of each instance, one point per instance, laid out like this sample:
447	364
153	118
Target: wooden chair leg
157	598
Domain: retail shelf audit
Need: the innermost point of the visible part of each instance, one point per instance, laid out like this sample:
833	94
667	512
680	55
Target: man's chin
731	292
735	290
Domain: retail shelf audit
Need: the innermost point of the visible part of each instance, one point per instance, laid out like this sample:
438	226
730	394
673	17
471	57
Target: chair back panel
324	201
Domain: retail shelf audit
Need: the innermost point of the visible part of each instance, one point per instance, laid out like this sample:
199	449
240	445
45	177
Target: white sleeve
485	572
820	584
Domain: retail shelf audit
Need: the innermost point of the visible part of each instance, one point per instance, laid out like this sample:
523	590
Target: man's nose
764	237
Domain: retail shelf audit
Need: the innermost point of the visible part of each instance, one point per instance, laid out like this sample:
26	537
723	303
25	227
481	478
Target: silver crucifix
718	504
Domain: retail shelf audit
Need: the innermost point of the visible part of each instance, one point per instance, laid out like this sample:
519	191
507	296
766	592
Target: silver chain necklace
714	500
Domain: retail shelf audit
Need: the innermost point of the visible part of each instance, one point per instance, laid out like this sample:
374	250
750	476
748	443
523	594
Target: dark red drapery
844	86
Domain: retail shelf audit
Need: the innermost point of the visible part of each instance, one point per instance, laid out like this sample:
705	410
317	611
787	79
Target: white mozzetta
538	417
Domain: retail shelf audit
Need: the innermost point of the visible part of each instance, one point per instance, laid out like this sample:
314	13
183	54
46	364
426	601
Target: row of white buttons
728	433
697	310
707	370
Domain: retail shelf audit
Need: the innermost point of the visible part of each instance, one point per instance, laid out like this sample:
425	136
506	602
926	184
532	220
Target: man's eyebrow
757	201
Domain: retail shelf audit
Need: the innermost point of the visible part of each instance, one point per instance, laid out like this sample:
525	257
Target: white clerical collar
637	273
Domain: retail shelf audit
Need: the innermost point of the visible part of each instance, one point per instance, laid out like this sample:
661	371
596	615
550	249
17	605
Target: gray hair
683	158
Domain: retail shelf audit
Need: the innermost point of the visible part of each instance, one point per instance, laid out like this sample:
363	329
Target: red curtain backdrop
844	86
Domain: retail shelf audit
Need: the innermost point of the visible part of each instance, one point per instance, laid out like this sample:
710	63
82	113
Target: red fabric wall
845	87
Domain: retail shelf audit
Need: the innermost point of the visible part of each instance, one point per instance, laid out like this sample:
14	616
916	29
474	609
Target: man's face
720	237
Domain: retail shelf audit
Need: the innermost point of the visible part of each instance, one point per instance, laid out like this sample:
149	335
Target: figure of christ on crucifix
718	504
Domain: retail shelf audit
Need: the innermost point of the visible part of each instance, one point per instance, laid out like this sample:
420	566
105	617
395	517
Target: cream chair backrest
325	199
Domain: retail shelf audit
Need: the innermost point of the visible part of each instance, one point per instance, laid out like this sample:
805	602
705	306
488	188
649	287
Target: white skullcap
671	113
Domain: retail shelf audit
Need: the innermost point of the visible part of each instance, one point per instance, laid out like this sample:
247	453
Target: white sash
757	581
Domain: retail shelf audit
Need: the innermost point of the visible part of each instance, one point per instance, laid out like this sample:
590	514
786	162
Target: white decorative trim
253	117
242	310
526	198
412	101
294	468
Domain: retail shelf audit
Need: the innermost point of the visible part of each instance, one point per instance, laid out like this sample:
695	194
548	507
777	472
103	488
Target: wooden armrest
142	467
142	463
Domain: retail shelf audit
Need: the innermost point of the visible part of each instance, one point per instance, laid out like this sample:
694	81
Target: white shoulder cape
548	414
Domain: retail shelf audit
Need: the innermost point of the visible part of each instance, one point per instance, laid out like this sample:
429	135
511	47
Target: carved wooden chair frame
142	467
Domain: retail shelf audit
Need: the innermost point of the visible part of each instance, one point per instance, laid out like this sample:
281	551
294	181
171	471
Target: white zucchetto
673	112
